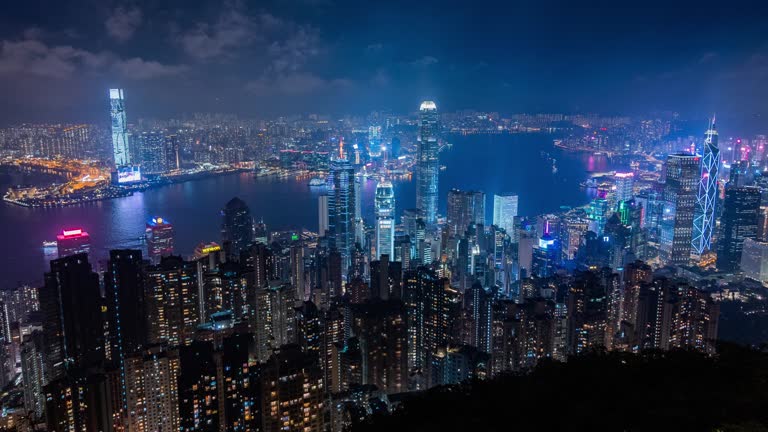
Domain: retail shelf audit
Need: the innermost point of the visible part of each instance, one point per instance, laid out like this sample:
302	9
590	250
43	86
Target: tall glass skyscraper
341	209
237	225
464	208
385	219
704	219
505	211
120	148
741	212
428	165
682	177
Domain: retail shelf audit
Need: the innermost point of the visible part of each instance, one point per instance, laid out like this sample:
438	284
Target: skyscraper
159	234
505	211
682	178
120	148
754	260
72	319
73	241
374	140
322	215
341	209
237	226
624	182
427	162
704	219
464	208
125	303
385	219
741	210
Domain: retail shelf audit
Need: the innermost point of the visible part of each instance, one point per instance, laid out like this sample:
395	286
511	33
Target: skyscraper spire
427	165
704	219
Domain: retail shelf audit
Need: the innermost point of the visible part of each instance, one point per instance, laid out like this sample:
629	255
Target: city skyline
285	217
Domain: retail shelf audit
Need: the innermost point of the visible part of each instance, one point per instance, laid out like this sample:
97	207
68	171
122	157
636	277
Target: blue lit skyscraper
428	165
704	221
505	211
385	219
341	208
374	141
120	148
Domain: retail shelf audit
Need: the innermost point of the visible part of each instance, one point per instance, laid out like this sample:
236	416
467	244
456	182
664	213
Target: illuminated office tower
741	213
682	179
704	218
359	224
341	209
505	211
754	260
322	215
154	159
465	208
545	256
385	219
374	140
427	162
120	148
73	241
623	181
237	226
159	234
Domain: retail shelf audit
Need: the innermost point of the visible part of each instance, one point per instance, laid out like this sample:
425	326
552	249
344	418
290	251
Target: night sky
57	58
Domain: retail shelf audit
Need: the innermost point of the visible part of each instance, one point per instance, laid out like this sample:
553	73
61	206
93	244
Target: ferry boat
51	244
317	181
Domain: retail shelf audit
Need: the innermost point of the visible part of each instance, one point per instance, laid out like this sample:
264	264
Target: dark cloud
31	57
342	54
296	84
122	23
424	61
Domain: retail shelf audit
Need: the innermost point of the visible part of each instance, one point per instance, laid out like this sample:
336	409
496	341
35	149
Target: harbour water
521	163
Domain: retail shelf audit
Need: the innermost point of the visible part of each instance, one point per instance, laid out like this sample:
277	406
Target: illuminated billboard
128	174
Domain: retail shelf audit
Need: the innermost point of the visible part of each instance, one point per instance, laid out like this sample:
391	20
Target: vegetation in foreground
677	390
